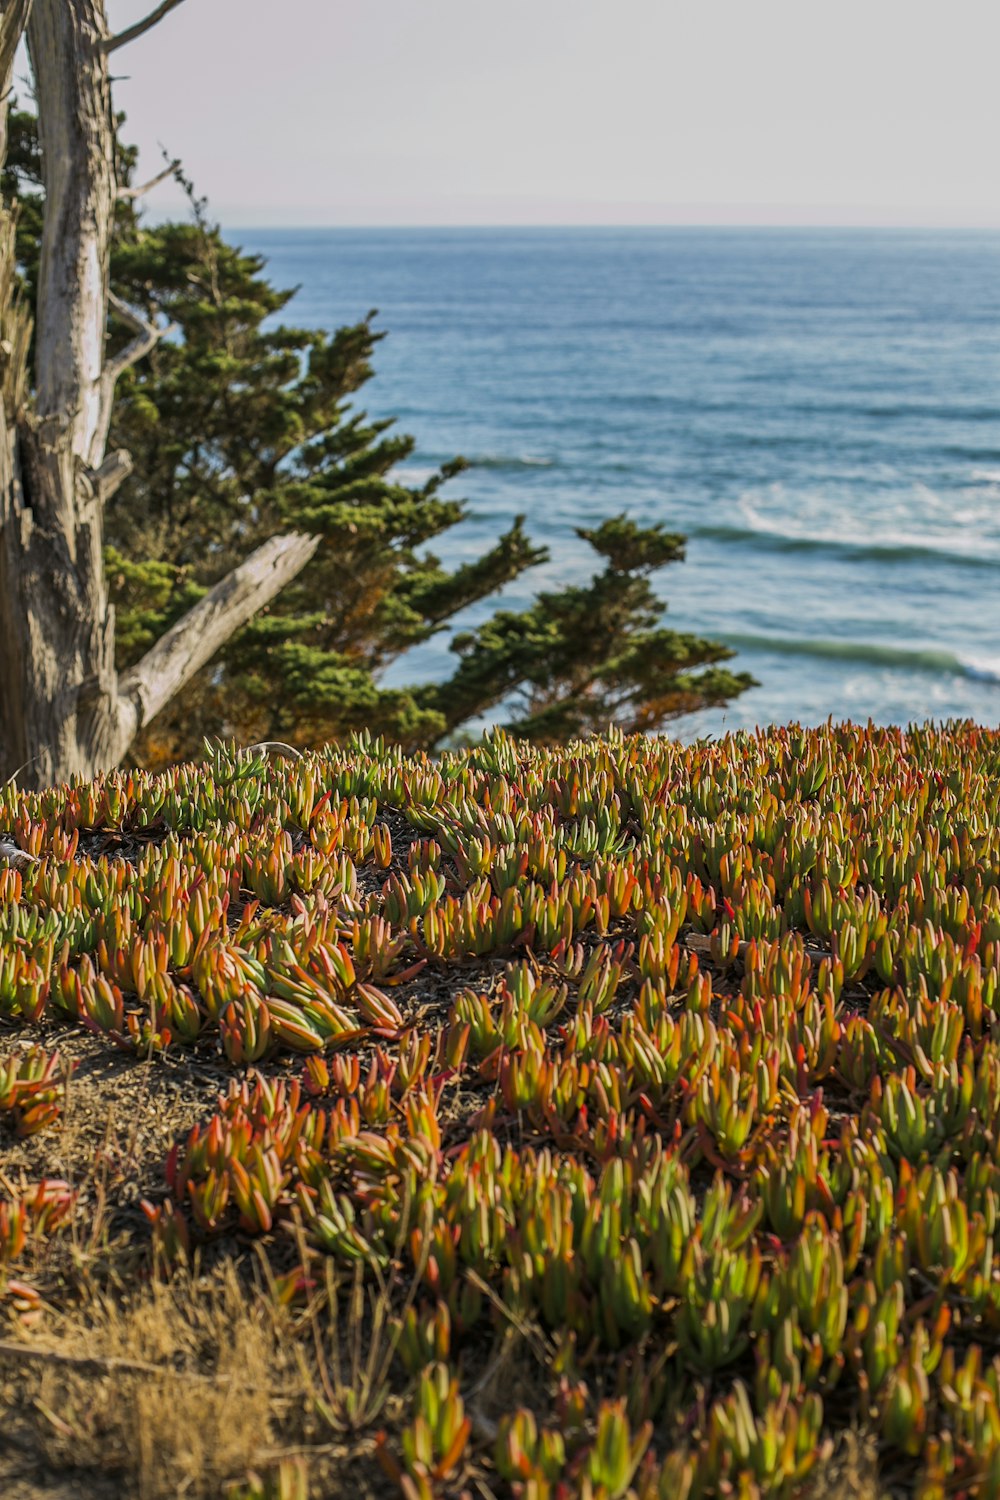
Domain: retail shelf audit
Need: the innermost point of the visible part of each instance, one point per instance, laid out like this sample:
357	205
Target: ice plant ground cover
622	1119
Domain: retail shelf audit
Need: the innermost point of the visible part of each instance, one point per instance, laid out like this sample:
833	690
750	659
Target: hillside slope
623	1119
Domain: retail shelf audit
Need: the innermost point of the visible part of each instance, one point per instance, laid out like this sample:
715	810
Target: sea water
817	410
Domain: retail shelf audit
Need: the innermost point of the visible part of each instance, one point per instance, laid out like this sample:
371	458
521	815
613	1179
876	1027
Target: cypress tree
242	426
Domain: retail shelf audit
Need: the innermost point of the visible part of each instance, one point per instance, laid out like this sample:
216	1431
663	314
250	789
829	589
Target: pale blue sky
573	111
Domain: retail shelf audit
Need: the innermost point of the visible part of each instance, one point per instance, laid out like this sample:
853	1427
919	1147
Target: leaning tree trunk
64	711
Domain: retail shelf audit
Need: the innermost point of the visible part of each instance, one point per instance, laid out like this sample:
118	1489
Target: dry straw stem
851	1472
92	1364
698	942
194	1386
142	1406
178	1393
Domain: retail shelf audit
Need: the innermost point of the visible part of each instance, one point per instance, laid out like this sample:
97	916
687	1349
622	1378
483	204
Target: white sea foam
414	474
935	661
898	546
981	668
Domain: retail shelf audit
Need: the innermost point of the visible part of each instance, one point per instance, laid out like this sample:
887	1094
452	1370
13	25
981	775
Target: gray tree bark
63	710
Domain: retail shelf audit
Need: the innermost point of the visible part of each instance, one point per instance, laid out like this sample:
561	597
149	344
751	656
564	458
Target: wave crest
767	539
935	660
510	461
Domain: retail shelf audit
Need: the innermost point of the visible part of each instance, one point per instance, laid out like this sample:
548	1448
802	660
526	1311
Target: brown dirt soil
170	1392
125	1387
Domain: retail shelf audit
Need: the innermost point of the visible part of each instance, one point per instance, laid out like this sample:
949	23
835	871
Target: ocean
817	410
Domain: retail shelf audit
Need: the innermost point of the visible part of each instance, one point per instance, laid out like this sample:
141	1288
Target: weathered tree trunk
62	709
57	677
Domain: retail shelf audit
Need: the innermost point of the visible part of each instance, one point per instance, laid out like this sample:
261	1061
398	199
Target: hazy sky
578	111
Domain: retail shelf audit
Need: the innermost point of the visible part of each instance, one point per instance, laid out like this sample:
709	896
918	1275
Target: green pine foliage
241	426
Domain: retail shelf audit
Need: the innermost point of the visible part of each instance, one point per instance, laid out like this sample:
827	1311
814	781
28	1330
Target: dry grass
120	1116
128	1387
185	1389
851	1471
180	1431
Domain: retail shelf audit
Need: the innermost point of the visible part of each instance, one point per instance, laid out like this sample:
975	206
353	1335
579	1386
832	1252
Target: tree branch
65	45
193	641
146	340
148	336
11	857
111	475
132	33
276	747
129	194
13	20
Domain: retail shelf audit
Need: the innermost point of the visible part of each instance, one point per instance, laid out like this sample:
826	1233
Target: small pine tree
241	426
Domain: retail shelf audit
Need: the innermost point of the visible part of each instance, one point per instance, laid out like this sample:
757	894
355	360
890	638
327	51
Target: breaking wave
876	549
509	461
934	660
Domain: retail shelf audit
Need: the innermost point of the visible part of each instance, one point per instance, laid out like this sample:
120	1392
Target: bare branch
146	340
129	194
14	858
74	108
13	20
276	747
113	472
132	33
148	335
698	942
205	629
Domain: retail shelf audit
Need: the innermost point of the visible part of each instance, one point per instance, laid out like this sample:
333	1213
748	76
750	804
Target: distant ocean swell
503	461
764	539
419	473
937	662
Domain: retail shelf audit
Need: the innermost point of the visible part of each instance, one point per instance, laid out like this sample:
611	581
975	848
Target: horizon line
981	226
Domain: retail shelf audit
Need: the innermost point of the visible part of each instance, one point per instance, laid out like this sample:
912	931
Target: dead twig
276	747
699	942
15	858
132	33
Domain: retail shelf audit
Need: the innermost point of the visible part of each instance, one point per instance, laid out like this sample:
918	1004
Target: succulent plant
682	1061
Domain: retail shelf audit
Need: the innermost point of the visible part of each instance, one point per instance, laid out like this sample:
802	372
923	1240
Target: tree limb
148	336
14	858
112	473
132	33
65	45
13	20
129	194
699	942
276	747
193	641
146	340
